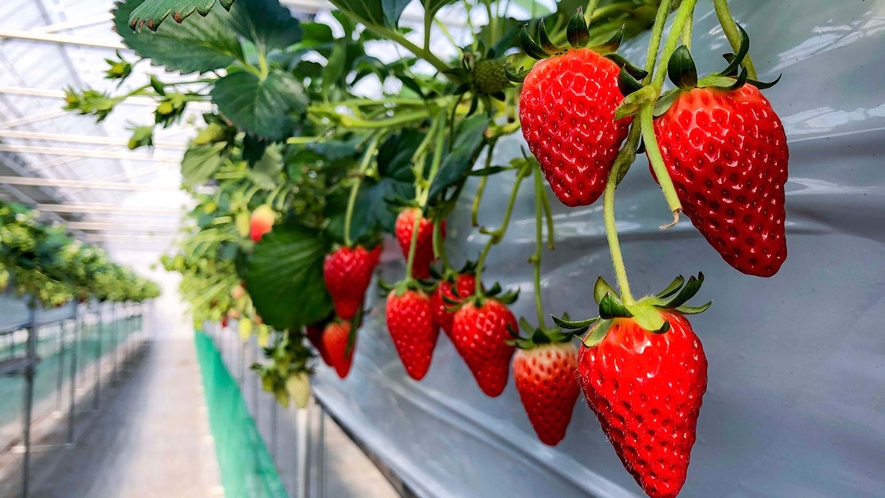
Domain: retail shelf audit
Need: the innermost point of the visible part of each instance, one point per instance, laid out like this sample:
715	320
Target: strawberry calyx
646	312
406	284
578	35
479	299
539	336
450	275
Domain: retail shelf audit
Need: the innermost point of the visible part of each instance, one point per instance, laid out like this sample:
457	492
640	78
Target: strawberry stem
733	34
611	231
588	13
480	189
646	117
687	31
539	242
414	244
354	190
683	16
439	248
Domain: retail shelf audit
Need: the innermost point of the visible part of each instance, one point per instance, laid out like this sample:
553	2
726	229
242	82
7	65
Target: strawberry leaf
457	164
266	23
262	107
201	162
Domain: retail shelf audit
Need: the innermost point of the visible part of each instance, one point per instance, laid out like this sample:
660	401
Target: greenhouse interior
396	248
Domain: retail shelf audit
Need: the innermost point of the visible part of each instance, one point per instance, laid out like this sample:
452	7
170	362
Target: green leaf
373	13
193	46
432	6
458	163
201	162
261	107
334	69
154	12
316	34
266	172
266	23
285	277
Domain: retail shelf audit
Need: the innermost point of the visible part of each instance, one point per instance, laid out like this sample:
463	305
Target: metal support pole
115	329
321	454
302	475
30	371
72	403
99	330
273	426
242	366
60	378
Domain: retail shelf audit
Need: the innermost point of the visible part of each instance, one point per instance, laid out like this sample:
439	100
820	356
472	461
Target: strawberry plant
299	178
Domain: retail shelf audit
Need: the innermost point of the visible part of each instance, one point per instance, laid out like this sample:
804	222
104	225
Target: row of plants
308	176
42	262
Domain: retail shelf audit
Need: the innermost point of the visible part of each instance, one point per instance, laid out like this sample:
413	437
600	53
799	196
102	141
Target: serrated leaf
373	13
261	107
193	46
154	12
266	23
597	334
285	277
457	164
201	162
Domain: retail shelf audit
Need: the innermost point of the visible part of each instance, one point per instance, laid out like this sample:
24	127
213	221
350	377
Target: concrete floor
151	439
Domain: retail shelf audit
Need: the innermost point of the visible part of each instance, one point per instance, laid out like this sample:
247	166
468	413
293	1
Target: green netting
247	469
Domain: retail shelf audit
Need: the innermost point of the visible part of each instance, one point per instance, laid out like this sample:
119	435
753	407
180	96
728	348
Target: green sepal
600	289
673	288
574	325
627	83
516	76
597	334
741	81
513	332
525	325
682	70
492	170
614	43
544	41
576	31
450	301
691	288
633	103
529	46
612	307
508	297
763	85
666	101
494	290
738	58
385	286
729	58
649	318
458	72
694	310
499	96
625	63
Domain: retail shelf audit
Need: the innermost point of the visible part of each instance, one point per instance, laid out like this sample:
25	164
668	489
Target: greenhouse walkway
151	439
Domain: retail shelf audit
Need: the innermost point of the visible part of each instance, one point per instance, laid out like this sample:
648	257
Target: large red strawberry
644	374
412	328
546	380
335	338
405	226
567	111
480	334
727	155
347	272
315	336
464	284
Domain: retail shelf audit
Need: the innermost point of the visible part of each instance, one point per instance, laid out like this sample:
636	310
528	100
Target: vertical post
99	330
72	403
30	371
115	328
302	475
242	366
59	381
273	427
321	453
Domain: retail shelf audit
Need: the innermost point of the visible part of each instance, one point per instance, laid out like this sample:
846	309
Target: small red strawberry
335	338
480	333
727	154
464	284
567	111
644	374
412	328
261	222
315	336
348	272
546	381
376	255
424	257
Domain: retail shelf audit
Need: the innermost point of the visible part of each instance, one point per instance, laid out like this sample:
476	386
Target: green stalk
646	117
733	34
657	32
439	248
411	47
539	242
683	16
351	122
548	212
480	189
351	201
591	8
414	245
611	233
495	236
687	31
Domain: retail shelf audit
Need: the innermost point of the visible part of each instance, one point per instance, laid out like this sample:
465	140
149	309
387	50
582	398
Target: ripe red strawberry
335	344
261	222
413	330
567	109
547	384
480	336
405	224
727	154
315	336
375	255
646	390
348	272
465	284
